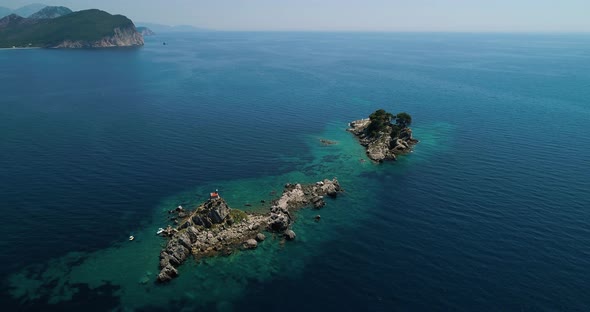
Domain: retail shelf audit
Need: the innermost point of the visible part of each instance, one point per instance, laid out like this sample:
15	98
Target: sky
349	15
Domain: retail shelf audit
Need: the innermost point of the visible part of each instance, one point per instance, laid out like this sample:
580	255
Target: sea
490	212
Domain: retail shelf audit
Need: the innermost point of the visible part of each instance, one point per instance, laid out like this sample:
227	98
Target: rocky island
214	228
384	135
59	27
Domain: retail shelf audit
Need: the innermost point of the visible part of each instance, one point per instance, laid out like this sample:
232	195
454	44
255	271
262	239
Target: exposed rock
318	202
296	196
327	142
192	233
386	142
168	272
278	221
331	188
251	244
289	235
218	210
169	231
177	252
317	218
210	230
121	37
184	240
213	211
358	126
260	237
292	195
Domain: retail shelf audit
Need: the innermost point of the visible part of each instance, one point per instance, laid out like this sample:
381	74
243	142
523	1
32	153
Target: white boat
160	231
131	238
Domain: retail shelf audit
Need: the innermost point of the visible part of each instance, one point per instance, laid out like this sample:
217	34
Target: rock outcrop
213	211
296	196
384	141
251	244
260	237
289	235
214	228
207	231
121	37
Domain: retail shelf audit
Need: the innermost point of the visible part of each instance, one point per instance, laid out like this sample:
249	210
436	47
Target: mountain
27	10
14	21
84	29
5	11
11	20
144	31
51	12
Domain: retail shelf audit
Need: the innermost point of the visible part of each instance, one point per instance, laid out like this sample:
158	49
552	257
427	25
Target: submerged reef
214	228
384	135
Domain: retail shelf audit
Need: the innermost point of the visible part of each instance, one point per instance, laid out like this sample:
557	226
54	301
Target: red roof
214	194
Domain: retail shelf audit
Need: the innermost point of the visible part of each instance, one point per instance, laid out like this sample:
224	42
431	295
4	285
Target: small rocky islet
214	228
384	135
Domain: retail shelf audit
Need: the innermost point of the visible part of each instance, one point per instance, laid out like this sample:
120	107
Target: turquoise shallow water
490	212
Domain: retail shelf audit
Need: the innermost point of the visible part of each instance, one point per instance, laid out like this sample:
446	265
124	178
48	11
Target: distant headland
59	27
145	31
382	138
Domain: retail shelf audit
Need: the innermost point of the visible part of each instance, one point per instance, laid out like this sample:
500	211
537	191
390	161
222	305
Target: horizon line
206	29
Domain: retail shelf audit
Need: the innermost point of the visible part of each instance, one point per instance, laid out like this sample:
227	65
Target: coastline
27	48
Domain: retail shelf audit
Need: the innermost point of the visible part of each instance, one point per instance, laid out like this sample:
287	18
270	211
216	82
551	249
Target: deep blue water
491	211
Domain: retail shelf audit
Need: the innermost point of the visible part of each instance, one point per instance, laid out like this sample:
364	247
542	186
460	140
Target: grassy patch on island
238	215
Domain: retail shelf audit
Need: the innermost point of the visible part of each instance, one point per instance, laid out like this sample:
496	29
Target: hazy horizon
349	15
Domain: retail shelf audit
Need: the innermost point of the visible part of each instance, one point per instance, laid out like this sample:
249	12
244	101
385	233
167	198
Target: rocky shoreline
121	37
382	139
214	228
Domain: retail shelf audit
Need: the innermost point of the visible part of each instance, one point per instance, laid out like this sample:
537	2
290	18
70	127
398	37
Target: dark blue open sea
491	212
